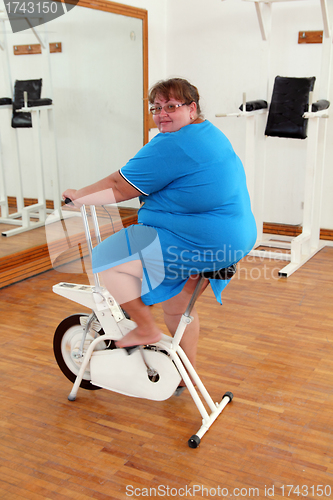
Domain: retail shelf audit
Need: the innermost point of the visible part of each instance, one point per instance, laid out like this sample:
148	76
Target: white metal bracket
263	25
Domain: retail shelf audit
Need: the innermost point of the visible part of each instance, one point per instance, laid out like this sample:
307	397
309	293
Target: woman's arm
112	189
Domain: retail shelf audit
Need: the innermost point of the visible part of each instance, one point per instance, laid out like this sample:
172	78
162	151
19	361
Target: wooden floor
271	344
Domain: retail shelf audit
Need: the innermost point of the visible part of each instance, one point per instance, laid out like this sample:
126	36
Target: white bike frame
128	374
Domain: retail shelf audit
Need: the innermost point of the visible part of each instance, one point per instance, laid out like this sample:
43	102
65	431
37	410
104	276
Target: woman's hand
70	193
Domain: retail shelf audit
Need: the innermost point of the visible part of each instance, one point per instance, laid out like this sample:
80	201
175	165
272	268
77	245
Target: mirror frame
127	10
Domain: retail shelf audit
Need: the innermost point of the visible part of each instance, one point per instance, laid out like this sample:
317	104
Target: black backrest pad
32	87
290	100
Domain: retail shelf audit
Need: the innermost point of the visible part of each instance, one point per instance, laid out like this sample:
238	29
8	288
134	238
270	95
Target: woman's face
171	122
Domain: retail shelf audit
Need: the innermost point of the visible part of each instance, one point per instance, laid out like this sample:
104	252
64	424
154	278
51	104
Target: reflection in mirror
98	82
98	90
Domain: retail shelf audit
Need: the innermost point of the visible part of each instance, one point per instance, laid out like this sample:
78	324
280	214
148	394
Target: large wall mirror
98	83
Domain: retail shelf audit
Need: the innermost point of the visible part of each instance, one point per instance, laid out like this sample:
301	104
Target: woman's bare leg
174	308
124	284
147	332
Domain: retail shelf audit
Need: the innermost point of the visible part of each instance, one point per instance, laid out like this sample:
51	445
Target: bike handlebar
68	201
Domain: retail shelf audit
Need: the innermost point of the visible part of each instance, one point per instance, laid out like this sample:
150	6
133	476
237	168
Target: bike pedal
131	349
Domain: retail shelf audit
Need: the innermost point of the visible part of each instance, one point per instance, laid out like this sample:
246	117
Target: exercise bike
85	350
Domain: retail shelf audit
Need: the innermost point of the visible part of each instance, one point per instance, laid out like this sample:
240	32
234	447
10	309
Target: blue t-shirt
194	190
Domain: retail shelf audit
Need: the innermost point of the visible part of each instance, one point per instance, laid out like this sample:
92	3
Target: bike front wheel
66	343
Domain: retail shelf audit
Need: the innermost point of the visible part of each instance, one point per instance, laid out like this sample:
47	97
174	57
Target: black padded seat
226	273
254	105
4	101
320	105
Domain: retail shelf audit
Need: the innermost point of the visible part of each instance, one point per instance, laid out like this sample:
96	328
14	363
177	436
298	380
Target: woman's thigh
133	268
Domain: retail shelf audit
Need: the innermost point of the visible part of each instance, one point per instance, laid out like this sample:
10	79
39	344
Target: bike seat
226	273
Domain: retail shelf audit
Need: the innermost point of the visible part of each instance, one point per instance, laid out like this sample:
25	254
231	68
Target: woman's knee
177	305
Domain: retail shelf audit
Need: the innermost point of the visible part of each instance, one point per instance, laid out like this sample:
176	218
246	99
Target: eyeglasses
168	108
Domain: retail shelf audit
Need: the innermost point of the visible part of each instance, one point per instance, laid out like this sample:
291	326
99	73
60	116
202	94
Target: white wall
217	45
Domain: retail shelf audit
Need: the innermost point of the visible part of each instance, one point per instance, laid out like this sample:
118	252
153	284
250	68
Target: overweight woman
196	215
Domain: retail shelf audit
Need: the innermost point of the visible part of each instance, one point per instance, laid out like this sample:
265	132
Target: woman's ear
193	110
